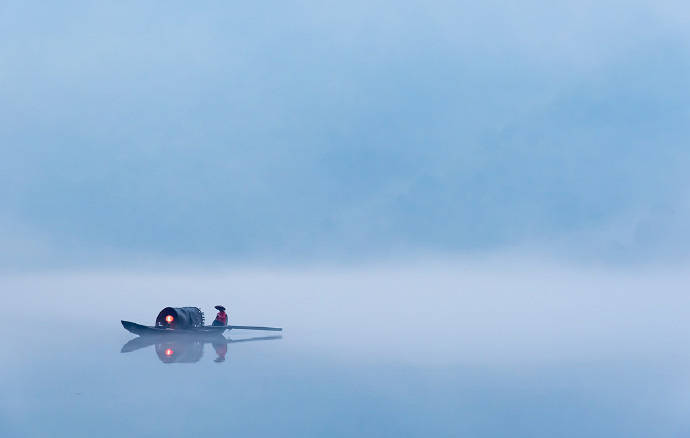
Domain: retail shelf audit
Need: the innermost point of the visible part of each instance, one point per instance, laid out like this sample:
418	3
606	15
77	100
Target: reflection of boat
180	352
184	320
186	348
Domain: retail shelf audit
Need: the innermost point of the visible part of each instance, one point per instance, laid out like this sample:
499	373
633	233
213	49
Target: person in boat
222	317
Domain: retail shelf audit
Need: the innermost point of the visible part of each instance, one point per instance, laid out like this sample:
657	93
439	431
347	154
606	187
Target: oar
252	327
262	338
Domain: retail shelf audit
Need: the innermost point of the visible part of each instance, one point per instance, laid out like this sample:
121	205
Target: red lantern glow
169	319
169	352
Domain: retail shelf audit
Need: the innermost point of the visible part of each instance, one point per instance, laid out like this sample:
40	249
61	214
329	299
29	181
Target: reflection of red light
169	319
169	352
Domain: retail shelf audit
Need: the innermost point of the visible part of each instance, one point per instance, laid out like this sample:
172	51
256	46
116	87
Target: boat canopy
180	317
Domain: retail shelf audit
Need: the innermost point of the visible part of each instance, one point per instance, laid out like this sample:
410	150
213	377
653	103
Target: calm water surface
440	352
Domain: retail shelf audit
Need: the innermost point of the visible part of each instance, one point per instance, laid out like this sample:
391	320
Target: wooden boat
147	330
185	321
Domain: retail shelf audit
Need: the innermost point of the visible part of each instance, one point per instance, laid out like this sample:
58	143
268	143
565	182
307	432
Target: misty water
458	349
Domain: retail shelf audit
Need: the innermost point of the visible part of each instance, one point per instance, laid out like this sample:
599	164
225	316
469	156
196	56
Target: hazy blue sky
296	129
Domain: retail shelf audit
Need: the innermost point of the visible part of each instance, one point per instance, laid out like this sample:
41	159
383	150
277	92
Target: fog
467	339
311	131
469	218
463	311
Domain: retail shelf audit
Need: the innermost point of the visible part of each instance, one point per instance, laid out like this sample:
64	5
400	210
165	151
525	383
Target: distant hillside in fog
223	131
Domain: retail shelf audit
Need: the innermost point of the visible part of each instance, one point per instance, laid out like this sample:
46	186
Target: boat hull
146	330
